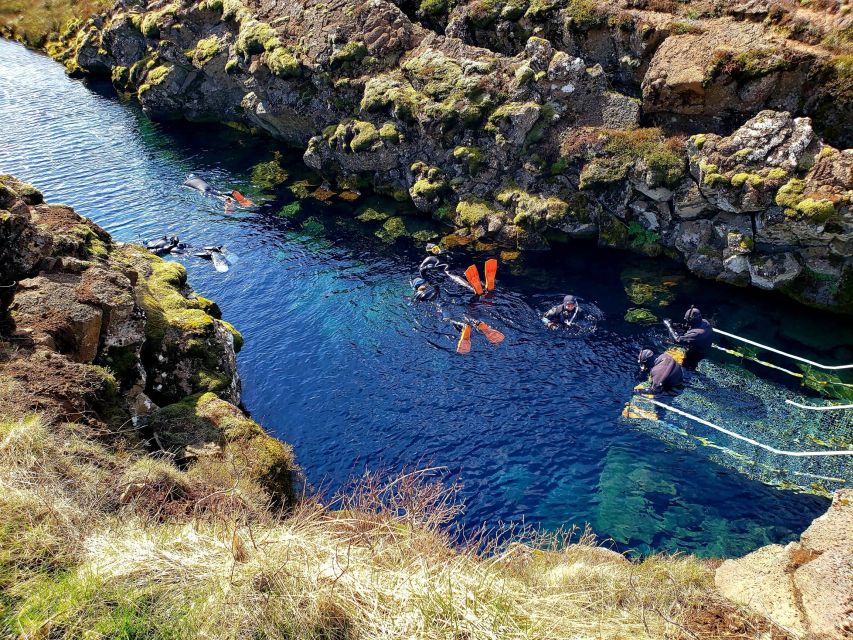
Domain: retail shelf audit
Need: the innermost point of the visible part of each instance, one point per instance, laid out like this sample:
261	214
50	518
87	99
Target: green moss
470	212
159	294
392	229
816	210
313	227
777	174
643	240
120	76
234	10
620	150
640	316
366	136
392	91
388	132
157	75
269	175
426	188
790	194
231	65
350	52
283	63
603	171
586	14
205	50
370	214
749	65
715	179
433	7
256	37
472	155
290	210
753	179
699	140
211	5
149	23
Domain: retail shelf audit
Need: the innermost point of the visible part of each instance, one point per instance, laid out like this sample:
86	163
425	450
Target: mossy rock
291	210
350	52
366	137
313	227
645	293
392	230
640	316
473	156
369	214
256	37
471	212
205	50
283	63
389	133
269	175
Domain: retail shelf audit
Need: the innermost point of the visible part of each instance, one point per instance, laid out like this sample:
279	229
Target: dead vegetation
114	543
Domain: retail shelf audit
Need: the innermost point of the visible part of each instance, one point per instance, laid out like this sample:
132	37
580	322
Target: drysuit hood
646	357
569	300
693	317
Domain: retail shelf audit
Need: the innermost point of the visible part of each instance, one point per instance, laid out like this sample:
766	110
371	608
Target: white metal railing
728	432
783	353
812	407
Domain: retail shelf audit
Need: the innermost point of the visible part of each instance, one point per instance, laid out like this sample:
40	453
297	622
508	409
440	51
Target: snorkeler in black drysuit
424	291
573	312
433	270
664	373
194	182
697	336
563	314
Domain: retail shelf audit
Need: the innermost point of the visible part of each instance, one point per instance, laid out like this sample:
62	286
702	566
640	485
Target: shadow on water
338	361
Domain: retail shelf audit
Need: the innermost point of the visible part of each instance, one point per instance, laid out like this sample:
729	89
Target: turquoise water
339	363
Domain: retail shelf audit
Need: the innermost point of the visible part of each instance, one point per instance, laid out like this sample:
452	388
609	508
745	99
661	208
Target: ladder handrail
783	353
811	407
767	447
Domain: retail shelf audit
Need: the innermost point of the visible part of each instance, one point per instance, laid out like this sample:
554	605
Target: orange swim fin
242	200
473	276
464	345
492	335
491	270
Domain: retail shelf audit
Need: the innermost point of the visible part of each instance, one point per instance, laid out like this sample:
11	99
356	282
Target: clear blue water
340	364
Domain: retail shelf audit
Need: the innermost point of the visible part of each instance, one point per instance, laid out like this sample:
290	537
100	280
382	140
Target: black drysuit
665	373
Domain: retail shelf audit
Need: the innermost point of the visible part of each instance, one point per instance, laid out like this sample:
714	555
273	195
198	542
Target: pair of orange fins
472	274
242	200
492	335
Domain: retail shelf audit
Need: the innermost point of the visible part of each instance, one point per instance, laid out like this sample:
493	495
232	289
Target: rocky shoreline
112	338
526	125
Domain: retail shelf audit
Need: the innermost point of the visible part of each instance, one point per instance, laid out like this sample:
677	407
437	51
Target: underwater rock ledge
523	133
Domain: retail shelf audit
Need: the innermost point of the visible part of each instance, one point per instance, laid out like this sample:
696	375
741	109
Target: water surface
340	364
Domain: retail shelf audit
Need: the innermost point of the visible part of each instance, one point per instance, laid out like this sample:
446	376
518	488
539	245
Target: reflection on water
339	363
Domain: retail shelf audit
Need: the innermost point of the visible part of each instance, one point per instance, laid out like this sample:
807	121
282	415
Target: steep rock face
806	586
529	139
101	333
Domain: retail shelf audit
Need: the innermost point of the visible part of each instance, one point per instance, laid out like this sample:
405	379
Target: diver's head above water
570	303
693	317
646	359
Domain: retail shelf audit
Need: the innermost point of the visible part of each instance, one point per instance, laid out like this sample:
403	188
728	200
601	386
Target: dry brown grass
100	543
32	21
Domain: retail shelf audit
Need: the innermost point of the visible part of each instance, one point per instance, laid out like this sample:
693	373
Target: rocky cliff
526	124
111	338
